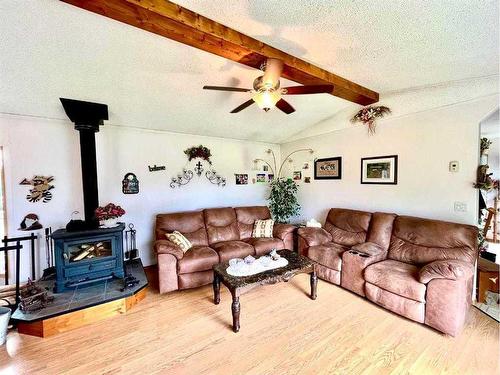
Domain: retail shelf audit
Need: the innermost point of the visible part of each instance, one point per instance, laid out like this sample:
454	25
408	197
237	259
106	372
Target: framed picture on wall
328	168
380	170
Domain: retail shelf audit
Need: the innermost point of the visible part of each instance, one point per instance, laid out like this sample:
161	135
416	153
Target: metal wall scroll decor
214	178
130	184
203	154
155	168
41	188
182	178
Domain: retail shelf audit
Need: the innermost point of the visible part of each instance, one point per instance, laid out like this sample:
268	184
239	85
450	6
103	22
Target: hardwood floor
282	332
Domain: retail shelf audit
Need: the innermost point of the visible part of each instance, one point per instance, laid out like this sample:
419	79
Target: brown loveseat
217	235
418	268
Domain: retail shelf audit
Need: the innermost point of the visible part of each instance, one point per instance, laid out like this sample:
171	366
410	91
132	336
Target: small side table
487	278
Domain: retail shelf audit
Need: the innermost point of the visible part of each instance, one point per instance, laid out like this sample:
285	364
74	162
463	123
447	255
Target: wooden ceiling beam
172	21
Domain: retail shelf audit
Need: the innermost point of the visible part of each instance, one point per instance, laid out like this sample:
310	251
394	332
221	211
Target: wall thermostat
454	166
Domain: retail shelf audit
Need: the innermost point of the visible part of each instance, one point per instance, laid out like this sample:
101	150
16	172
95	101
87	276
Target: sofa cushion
190	224
247	216
421	241
233	249
328	255
381	229
198	258
396	277
265	245
180	240
347	227
263	228
221	225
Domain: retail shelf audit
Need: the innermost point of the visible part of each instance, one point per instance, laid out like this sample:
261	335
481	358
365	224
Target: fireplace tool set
131	253
50	271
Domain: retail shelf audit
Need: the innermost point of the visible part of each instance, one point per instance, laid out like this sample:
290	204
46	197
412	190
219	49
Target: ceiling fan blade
222	88
285	106
243	106
309	89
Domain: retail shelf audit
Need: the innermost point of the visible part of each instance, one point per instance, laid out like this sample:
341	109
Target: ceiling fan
267	92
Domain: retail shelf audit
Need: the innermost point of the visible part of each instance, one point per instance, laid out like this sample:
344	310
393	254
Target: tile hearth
85	296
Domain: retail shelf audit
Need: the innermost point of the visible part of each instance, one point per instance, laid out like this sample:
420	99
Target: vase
109	223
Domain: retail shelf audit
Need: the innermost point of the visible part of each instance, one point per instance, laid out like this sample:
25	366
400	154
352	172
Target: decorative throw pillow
263	228
181	241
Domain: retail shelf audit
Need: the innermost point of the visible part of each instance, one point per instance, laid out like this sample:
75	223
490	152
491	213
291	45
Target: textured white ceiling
50	49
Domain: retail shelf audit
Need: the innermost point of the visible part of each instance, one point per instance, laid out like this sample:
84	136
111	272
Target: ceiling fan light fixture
266	99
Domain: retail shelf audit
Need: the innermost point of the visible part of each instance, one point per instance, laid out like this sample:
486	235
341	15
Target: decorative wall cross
198	169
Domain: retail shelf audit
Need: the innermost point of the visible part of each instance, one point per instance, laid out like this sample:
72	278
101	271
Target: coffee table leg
216	284
235	307
314	284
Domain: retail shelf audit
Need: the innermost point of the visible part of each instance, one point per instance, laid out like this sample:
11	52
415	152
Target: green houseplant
283	199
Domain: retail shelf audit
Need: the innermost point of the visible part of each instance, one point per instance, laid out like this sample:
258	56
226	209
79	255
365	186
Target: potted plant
283	199
109	214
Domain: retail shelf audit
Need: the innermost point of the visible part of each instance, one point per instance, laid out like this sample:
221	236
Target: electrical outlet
460	207
454	166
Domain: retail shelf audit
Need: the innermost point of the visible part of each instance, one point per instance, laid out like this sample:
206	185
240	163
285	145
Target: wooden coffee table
239	285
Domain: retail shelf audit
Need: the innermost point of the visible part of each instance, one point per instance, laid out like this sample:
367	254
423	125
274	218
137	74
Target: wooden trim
76	319
182	25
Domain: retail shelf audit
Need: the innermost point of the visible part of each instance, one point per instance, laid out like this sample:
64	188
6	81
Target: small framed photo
380	170
328	168
241	179
261	177
297	175
265	168
270	177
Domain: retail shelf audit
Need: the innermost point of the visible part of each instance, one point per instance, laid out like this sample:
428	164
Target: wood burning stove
88	256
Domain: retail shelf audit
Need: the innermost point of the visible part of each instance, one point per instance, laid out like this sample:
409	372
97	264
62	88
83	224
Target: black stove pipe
87	117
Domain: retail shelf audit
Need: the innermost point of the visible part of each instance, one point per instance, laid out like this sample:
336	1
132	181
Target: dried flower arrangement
485	145
368	115
110	211
200	151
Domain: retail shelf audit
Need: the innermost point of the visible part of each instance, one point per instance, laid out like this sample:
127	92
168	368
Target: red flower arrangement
200	151
110	211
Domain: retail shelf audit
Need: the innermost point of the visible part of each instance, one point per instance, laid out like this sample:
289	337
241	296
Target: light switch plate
454	166
460	207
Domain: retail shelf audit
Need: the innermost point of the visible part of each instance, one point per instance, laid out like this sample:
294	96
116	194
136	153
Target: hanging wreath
368	115
200	151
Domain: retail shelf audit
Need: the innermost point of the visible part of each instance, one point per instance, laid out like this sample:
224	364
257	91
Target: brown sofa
217	235
419	268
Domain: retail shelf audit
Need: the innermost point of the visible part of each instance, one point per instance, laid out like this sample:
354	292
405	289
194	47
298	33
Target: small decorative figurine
30	222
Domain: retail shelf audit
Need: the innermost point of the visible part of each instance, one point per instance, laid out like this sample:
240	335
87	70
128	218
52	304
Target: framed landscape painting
328	169
380	170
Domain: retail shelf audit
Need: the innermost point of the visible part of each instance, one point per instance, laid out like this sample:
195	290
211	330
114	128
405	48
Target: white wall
51	147
425	141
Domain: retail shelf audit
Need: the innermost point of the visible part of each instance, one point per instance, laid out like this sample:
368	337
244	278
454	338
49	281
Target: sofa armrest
446	269
282	230
370	249
314	236
168	247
